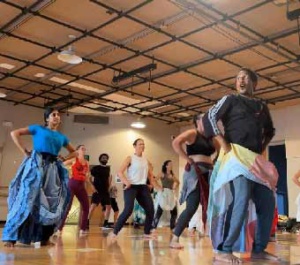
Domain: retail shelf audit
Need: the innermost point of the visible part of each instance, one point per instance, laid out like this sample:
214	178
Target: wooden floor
131	248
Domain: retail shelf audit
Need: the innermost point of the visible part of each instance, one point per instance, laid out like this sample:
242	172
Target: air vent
91	119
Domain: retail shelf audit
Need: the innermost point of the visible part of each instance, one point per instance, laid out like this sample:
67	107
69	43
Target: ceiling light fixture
69	56
39	75
122	76
7	66
138	125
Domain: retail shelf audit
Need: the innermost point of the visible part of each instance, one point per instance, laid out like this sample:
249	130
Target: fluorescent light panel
7	66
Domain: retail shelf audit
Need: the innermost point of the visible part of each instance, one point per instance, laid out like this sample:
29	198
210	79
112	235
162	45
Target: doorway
277	156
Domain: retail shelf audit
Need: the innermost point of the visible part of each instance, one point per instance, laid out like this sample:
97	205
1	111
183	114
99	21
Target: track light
141	70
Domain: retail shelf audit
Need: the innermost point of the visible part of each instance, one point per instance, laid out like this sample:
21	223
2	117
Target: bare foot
176	245
9	244
264	255
150	236
191	233
58	233
227	258
83	233
112	236
154	232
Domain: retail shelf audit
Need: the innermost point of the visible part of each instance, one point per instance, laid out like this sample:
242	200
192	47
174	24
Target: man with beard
241	205
101	180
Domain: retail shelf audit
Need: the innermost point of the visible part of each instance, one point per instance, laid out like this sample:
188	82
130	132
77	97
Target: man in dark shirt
101	181
247	123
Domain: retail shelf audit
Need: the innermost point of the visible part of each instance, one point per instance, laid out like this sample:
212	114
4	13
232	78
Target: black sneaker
106	226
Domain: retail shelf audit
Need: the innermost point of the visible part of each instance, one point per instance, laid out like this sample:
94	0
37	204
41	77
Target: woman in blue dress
38	195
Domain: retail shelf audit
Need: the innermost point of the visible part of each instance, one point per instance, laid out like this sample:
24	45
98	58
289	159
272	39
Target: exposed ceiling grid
197	46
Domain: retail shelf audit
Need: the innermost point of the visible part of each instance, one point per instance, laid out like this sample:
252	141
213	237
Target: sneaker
106	226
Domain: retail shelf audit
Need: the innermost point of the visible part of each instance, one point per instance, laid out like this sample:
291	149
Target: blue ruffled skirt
38	198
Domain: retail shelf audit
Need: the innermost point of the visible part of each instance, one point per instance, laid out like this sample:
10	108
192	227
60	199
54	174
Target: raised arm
187	137
121	171
16	137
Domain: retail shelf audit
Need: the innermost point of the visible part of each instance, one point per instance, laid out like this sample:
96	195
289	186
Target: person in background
101	181
80	173
166	198
113	192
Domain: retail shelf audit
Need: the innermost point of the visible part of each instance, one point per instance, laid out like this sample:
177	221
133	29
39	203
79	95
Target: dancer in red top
80	171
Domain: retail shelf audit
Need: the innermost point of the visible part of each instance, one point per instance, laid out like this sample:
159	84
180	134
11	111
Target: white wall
20	116
286	122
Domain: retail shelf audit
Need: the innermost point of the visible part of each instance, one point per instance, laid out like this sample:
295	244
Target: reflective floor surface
132	248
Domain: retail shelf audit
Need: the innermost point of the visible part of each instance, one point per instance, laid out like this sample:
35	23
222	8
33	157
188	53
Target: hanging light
69	56
138	125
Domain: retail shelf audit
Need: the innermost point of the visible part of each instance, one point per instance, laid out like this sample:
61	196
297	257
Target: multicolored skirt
165	199
239	161
139	215
38	198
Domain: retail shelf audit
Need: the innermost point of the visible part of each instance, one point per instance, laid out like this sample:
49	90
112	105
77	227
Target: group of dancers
235	187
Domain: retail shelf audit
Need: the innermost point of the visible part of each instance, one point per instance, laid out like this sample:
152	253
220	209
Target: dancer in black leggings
135	187
199	150
166	198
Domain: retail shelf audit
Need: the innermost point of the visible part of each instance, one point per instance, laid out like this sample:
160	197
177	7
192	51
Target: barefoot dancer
199	150
166	198
38	195
241	175
80	172
135	187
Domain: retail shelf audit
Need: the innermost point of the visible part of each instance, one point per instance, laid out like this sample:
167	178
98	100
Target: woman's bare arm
187	137
121	171
16	137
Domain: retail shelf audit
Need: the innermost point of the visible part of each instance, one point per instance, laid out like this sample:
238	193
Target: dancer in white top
138	171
